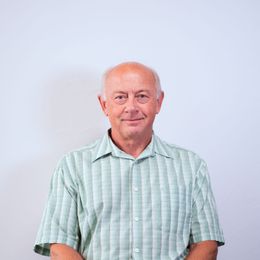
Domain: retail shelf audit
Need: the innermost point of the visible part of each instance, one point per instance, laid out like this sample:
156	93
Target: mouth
132	119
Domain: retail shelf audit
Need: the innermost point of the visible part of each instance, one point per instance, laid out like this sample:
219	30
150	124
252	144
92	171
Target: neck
131	145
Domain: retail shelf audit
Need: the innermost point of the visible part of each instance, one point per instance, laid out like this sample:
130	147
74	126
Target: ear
103	104
159	102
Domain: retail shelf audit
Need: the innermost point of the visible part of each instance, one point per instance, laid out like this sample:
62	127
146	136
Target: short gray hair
109	70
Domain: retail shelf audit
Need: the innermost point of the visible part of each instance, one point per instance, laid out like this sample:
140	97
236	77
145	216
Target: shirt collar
106	146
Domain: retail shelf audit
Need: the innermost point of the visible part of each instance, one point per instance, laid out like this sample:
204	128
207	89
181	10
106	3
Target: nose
131	105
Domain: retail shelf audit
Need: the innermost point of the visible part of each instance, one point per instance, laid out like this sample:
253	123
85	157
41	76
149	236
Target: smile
132	120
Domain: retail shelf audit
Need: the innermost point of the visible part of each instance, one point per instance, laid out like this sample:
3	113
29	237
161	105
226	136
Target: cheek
150	110
114	112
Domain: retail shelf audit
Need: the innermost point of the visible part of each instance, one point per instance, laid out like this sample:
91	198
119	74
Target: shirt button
135	189
137	250
136	219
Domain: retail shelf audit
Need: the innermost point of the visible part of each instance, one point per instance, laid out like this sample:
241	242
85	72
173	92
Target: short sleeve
59	223
205	222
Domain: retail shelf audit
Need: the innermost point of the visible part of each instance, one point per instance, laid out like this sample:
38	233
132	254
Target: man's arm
206	250
64	252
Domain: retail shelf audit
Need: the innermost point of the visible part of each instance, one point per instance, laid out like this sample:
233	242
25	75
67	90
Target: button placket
136	189
136	209
137	250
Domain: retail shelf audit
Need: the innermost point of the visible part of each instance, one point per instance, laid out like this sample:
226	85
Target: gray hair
109	70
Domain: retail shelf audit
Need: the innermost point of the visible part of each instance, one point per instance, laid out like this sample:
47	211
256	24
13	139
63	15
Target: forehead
127	78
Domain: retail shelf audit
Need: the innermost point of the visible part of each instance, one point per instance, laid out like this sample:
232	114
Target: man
130	195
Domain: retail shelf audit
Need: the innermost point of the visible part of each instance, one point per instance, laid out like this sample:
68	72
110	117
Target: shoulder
86	152
179	154
73	162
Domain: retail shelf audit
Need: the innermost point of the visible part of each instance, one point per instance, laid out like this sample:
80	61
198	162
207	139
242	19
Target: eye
120	99
142	98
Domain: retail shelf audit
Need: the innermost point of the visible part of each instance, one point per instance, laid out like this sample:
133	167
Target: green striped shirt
107	204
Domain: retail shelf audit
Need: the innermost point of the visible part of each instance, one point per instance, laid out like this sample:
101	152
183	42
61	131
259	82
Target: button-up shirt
106	204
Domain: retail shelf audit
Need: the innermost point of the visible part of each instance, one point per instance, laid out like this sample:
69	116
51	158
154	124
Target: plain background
52	55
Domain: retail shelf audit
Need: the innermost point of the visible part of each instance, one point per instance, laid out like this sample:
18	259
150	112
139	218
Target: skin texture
131	104
64	252
206	250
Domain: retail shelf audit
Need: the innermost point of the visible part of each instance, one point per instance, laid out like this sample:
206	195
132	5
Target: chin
133	132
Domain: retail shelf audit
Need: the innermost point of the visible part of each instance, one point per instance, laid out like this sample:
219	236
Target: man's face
131	102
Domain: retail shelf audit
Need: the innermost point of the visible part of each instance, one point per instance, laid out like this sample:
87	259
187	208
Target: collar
105	146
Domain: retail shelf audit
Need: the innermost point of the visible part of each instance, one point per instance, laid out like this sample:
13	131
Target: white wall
52	54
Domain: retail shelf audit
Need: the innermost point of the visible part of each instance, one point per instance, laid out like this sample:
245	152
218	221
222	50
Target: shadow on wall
72	115
68	116
24	195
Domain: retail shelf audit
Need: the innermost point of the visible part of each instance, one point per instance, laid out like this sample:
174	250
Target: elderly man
130	195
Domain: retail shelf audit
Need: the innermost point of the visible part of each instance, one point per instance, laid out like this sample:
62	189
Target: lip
132	119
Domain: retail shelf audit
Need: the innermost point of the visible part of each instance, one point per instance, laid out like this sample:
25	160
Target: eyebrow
119	92
143	90
125	92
